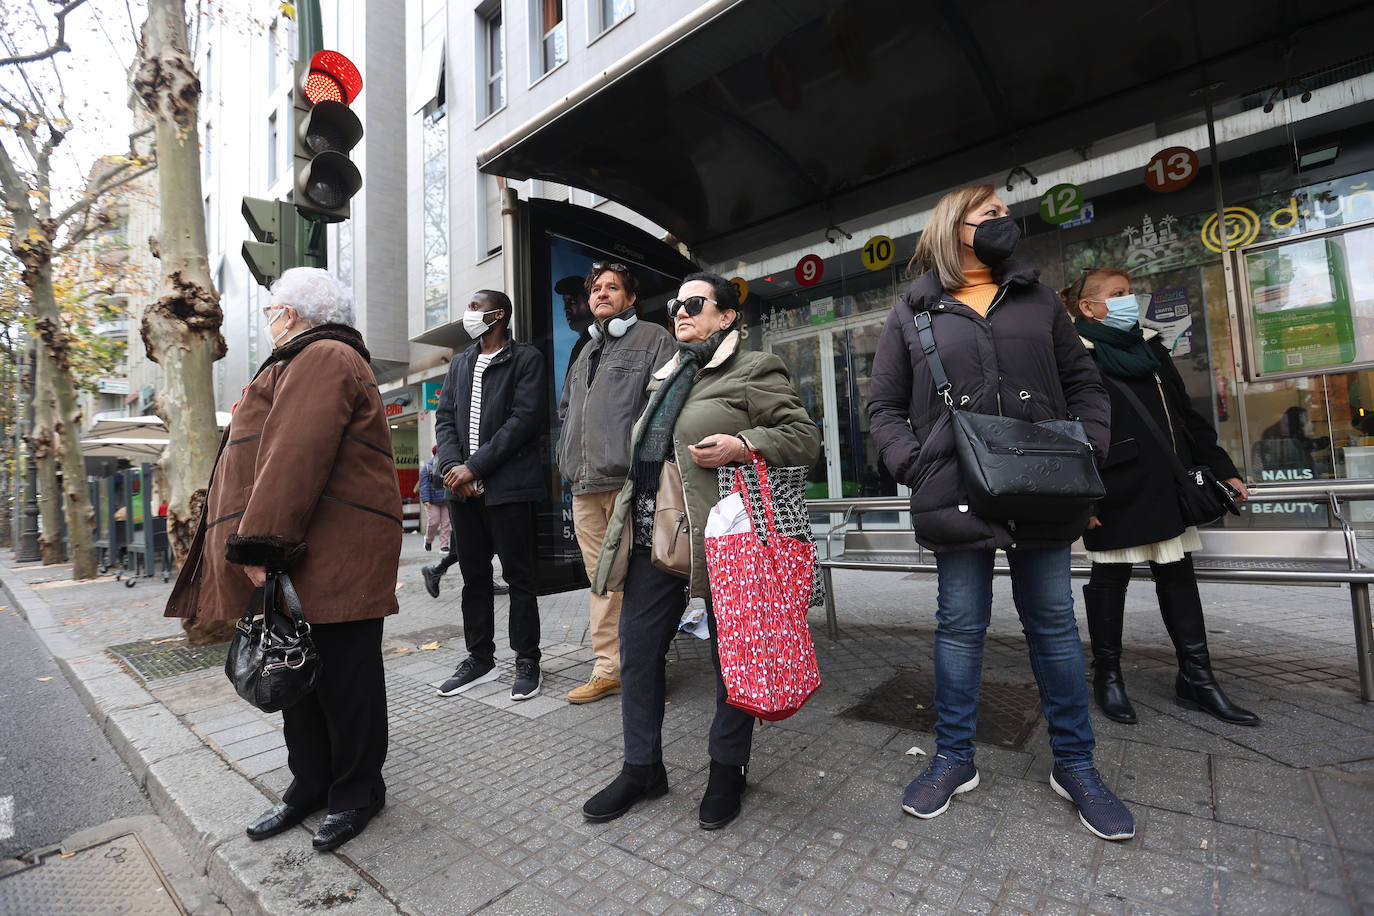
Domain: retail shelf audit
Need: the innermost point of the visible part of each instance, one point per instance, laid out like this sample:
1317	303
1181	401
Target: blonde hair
1091	281
941	248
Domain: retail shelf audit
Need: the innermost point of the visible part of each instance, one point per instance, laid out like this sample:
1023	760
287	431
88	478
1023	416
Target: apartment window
435	214
207	146
613	11
489	243
272	149
552	34
344	266
493	58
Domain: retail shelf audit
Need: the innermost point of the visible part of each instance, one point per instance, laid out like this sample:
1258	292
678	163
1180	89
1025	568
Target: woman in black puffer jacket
1139	521
1008	348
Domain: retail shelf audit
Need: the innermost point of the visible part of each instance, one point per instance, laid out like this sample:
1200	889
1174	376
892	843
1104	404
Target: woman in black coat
1139	521
1008	348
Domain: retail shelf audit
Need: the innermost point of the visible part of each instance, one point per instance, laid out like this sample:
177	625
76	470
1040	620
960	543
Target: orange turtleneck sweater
978	289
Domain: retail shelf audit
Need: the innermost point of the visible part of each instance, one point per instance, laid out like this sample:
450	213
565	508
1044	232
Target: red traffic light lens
332	77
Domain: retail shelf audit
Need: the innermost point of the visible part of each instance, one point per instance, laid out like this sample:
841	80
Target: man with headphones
605	392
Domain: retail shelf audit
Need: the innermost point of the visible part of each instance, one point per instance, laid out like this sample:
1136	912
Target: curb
202	799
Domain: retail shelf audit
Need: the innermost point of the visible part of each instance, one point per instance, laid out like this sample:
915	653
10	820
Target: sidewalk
484	795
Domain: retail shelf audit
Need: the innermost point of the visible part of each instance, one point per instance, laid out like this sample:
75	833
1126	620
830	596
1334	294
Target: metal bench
1274	556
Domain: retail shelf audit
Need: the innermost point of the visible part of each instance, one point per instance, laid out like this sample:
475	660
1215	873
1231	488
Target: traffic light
325	178
273	226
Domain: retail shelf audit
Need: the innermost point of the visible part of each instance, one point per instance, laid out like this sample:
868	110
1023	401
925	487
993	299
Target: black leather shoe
634	783
431	580
341	826
720	805
281	818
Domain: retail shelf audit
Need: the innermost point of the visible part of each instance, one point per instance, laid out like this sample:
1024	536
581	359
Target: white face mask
274	339
1123	312
475	323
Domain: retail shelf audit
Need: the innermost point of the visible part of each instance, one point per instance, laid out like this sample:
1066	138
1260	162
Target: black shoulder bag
1202	499
1014	469
272	661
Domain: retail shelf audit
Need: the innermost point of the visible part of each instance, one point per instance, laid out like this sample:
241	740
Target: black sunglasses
1082	282
611	265
692	305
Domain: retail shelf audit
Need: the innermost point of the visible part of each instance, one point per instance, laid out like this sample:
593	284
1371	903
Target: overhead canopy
149	426
141	448
764	119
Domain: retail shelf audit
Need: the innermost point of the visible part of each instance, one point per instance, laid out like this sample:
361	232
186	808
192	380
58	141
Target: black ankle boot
720	804
1106	610
1196	686
634	783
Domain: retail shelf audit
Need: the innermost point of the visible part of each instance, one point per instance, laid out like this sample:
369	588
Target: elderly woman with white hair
305	483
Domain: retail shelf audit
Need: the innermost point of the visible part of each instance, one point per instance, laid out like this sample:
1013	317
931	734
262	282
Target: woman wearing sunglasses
1138	521
708	406
1008	349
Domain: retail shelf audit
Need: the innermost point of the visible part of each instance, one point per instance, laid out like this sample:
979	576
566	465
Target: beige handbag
672	546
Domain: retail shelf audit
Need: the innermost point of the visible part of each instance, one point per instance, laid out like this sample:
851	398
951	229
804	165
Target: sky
91	79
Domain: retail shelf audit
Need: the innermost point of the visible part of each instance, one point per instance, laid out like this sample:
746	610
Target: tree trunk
43	451
181	330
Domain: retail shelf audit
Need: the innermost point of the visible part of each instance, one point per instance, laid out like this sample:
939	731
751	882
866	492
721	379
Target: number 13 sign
1171	169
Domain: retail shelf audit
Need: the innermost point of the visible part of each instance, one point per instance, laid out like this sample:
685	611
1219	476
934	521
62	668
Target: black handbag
1202	499
272	661
1015	469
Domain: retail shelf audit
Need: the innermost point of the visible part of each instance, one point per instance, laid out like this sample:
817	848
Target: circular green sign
1061	203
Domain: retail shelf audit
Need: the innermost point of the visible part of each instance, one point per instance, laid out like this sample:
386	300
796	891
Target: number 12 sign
1171	169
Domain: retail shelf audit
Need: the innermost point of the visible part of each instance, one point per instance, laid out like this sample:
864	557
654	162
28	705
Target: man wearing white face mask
1139	520
490	414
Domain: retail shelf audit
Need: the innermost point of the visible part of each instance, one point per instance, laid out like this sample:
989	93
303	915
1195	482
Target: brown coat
305	482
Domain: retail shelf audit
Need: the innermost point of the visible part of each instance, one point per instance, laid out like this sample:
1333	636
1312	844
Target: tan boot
593	690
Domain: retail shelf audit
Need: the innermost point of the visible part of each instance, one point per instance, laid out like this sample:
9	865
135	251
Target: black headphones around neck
617	326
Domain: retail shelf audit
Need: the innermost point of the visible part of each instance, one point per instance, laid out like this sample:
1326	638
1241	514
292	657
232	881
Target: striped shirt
475	410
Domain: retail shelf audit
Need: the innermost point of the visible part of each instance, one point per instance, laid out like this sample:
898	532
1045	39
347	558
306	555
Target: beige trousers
591	515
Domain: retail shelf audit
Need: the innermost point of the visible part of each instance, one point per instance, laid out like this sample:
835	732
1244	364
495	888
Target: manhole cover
161	658
117	876
1007	713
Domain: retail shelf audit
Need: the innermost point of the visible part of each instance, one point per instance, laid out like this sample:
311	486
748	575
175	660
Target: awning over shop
759	120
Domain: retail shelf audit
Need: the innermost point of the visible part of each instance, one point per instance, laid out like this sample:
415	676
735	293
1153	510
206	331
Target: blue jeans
1042	591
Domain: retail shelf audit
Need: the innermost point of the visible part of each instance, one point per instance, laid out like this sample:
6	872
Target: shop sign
432	390
399	403
741	286
1084	217
810	269
1171	169
877	252
1061	203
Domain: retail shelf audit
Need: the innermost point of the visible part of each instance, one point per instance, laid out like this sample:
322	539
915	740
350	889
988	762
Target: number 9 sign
1171	169
810	269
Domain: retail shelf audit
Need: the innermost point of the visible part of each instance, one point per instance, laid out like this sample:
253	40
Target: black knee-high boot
1181	607
1106	608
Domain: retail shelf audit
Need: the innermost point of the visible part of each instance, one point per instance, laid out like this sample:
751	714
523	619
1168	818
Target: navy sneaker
1098	807
470	673
928	795
527	679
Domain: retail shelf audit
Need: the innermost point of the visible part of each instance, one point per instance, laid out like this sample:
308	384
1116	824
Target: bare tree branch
88	201
57	46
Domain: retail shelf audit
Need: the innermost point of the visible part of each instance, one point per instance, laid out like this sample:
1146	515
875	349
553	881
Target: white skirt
1170	551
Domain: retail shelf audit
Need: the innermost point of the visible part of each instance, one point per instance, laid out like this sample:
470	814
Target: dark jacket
514	412
429	493
304	481
1137	509
597	415
1022	360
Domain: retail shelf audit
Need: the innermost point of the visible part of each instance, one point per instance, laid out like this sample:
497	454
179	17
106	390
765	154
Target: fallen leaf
45	678
1202	845
400	651
429	646
914	751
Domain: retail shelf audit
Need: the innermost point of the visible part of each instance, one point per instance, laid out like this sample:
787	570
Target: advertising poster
1301	307
1171	314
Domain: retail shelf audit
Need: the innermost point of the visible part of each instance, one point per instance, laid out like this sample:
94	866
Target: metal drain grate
1007	713
168	657
113	877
